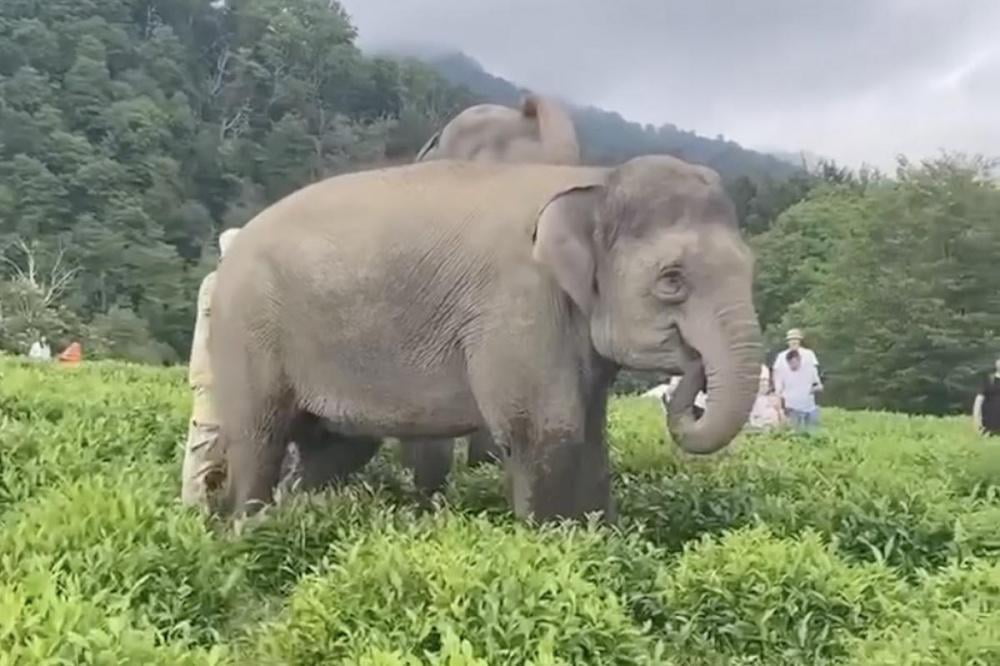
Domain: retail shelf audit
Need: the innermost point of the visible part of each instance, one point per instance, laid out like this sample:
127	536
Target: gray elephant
540	131
423	301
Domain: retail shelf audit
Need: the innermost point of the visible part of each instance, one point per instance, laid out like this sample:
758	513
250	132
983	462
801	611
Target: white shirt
807	355
796	388
40	351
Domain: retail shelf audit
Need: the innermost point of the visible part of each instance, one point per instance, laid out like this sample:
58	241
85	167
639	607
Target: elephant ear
564	242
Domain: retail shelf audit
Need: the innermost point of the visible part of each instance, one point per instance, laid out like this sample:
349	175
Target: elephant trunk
730	347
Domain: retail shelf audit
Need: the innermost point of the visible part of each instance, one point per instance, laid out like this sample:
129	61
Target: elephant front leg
558	474
254	469
429	459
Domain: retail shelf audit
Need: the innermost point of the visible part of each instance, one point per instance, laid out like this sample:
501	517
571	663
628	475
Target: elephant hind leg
327	458
482	449
430	460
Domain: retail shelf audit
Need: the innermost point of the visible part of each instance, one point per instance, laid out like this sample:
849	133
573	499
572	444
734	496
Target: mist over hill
605	136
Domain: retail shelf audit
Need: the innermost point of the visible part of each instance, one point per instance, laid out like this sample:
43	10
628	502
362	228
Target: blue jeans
801	420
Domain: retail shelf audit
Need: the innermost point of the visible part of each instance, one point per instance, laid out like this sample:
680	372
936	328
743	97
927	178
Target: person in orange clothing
72	355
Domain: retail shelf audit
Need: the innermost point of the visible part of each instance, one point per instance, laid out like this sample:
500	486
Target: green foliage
512	593
784	601
893	285
874	542
131	133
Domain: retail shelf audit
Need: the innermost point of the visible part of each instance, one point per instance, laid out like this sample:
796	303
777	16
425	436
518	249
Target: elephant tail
555	128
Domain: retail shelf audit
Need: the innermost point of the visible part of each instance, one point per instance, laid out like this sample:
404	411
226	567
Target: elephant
425	300
540	131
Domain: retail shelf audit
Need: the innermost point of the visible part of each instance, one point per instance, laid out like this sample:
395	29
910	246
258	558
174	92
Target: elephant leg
559	475
557	463
482	449
254	457
328	458
430	460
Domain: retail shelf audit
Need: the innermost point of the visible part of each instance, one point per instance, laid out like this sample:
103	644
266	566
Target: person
986	408
40	350
794	341
698	408
766	412
799	385
71	356
203	469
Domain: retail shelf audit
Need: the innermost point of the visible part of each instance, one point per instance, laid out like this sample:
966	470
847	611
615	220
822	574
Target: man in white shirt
799	385
807	356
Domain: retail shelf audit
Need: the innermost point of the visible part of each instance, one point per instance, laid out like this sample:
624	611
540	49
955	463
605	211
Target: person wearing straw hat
807	357
203	469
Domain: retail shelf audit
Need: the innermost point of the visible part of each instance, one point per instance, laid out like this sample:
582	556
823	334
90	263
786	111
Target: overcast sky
855	80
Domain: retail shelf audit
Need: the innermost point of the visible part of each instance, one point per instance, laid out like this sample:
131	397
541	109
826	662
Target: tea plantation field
875	542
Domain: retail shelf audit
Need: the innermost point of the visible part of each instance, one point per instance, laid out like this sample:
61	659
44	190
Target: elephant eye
671	285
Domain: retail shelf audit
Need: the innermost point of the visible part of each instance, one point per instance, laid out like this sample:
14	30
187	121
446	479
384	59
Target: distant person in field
986	408
799	385
40	350
72	355
203	470
766	413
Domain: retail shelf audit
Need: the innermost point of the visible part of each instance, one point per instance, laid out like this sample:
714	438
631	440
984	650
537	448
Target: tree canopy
133	131
892	280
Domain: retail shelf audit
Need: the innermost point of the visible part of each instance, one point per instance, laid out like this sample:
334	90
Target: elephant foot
430	460
561	481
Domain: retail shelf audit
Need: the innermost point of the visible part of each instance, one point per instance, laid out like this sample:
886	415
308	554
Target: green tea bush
874	542
954	620
509	592
43	622
785	601
117	537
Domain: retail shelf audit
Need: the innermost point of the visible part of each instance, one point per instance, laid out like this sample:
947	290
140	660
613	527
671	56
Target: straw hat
793	334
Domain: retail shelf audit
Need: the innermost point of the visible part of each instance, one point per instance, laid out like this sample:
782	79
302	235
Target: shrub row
875	543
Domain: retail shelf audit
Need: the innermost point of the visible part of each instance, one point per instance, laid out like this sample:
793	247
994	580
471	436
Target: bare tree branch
26	272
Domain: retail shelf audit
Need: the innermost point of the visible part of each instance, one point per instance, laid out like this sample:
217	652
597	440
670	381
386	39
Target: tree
908	315
133	132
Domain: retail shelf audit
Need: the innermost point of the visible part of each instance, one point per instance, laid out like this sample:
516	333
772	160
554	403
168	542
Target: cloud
855	80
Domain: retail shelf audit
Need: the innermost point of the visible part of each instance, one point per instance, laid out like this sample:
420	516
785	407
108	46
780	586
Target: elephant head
651	255
539	131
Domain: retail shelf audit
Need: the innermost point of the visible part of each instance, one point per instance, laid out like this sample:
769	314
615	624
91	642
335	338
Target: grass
876	542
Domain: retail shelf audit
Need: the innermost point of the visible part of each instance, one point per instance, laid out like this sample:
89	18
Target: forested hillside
132	131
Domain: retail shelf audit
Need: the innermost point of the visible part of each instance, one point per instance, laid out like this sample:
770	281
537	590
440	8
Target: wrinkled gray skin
425	300
539	131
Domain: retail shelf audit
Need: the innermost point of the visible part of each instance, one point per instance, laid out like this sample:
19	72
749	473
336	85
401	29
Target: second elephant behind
539	131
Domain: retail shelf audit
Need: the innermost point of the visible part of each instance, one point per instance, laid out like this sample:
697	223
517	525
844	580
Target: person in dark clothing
986	409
